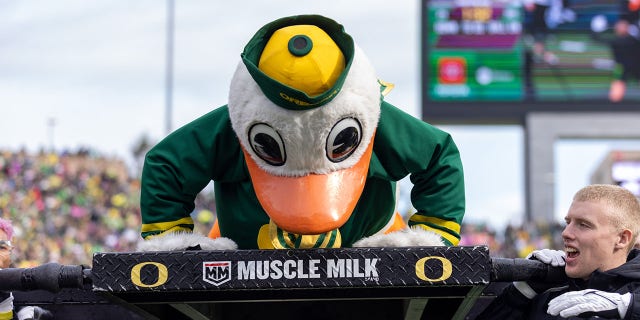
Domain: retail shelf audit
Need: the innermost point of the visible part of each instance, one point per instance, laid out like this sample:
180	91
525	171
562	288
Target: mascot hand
409	237
177	241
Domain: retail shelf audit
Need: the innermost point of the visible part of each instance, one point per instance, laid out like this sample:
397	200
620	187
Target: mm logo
216	272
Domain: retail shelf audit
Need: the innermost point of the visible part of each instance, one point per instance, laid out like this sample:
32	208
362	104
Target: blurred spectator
625	50
6	298
545	16
513	241
66	207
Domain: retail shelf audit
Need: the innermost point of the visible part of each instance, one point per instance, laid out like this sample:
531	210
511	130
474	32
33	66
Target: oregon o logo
163	274
447	269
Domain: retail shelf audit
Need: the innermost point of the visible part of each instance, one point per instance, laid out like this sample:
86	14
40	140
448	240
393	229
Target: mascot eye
343	139
267	144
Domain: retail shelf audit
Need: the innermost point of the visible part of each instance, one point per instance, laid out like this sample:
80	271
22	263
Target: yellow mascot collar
272	237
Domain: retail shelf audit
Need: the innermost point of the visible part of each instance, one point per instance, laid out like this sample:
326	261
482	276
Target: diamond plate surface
287	269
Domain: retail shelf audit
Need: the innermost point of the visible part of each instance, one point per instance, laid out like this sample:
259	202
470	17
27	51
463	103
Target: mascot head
305	102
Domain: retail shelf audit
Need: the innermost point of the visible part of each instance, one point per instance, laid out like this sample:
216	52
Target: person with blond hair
599	260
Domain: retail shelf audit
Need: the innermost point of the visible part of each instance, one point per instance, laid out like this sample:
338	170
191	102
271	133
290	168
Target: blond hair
624	208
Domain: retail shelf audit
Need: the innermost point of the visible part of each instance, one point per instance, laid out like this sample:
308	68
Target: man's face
5	251
589	240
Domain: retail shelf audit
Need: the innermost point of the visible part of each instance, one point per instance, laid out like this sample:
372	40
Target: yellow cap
303	57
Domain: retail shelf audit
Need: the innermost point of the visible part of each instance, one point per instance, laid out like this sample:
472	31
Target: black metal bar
53	277
49	276
506	269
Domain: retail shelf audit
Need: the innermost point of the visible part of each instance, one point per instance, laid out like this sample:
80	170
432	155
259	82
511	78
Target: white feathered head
305	103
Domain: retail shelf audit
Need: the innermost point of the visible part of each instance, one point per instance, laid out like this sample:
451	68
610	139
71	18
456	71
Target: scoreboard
480	63
475	50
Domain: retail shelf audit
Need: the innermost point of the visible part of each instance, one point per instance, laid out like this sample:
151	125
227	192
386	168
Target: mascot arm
438	194
175	171
405	146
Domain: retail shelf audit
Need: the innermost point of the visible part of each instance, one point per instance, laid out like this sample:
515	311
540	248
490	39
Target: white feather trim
409	237
177	241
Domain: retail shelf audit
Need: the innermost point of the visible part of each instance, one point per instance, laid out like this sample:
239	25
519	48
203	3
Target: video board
496	60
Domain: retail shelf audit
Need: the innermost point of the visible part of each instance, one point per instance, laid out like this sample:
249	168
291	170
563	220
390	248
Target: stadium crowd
67	206
513	241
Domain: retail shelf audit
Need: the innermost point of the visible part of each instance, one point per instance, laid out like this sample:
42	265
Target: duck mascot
306	154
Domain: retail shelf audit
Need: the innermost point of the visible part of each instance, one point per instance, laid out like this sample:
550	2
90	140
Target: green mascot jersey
207	149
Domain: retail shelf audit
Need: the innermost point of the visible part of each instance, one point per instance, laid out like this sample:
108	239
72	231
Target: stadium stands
68	206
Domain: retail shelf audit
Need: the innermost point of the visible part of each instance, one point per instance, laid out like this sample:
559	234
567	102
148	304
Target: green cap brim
281	94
